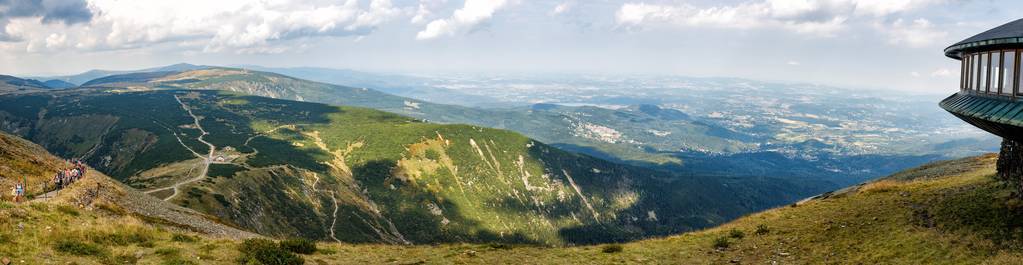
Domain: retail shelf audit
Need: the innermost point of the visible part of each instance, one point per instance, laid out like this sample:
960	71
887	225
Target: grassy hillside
944	213
286	168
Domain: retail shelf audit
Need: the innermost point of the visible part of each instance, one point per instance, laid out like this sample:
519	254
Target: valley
287	168
698	125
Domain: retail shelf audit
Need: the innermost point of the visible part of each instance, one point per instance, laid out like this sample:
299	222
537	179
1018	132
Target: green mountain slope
643	135
950	212
286	168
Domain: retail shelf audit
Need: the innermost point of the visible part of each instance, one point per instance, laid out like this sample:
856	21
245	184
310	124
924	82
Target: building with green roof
990	96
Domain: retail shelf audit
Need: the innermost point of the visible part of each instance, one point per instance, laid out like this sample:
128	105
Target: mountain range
954	210
288	168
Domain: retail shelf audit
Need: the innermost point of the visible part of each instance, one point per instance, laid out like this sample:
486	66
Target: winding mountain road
207	160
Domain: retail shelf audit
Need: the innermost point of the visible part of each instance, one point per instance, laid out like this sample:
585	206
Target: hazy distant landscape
663	121
293	132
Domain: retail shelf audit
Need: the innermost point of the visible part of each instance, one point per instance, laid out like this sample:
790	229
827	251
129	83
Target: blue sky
881	44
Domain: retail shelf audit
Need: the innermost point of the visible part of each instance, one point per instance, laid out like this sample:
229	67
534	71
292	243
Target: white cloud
472	13
811	17
888	7
236	25
941	72
562	8
793	63
914	74
915	34
424	11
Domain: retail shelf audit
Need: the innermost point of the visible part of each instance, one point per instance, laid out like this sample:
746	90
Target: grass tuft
612	248
67	210
79	248
183	238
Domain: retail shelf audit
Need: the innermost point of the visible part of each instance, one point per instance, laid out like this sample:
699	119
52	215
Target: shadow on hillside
410	214
666	203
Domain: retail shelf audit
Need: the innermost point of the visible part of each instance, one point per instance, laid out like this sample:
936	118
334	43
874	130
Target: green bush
761	230
79	248
612	248
299	245
266	252
722	243
736	233
123	238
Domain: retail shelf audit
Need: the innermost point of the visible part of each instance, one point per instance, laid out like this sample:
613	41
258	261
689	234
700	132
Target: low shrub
266	252
612	248
722	243
123	238
736	233
299	245
761	230
183	238
79	248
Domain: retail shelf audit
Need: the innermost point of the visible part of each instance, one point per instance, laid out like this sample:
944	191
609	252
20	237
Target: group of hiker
62	179
69	175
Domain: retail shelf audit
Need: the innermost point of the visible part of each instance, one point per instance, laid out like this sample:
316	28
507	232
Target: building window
964	69
969	71
982	65
1009	72
974	72
996	73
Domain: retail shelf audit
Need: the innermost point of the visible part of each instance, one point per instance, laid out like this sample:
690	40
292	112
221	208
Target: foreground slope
23	161
287	168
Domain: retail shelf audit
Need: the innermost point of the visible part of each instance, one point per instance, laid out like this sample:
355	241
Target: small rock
5	261
734	261
784	254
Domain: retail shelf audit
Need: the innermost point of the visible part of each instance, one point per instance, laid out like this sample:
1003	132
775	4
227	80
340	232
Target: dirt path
578	191
207	160
334	221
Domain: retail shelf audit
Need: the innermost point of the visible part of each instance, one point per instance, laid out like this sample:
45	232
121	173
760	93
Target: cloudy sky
886	44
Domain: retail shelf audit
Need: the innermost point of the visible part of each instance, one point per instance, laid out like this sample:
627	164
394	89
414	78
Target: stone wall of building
1010	164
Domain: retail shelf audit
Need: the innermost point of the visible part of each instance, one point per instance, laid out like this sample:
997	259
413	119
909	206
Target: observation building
990	96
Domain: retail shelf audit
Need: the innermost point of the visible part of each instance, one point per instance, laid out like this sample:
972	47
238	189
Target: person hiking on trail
19	190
